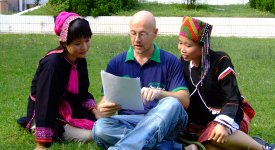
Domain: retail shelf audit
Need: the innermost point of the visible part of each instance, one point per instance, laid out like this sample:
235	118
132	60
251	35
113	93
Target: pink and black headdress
62	23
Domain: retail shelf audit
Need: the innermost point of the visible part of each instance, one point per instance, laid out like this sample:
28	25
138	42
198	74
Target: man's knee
100	129
174	106
171	103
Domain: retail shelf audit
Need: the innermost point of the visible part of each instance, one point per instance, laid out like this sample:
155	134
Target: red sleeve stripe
226	72
44	134
44	140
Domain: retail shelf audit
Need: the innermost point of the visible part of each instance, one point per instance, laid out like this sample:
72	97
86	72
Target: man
164	92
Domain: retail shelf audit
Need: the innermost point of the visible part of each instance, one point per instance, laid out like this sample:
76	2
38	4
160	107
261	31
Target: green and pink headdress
199	32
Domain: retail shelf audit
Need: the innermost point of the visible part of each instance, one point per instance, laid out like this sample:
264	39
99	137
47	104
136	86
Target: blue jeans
155	130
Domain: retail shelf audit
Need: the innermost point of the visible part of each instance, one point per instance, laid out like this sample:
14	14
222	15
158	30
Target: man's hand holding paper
107	108
125	92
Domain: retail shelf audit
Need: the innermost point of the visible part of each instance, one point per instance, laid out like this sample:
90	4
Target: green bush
252	3
108	7
259	4
60	5
128	5
81	7
265	5
268	5
191	3
100	8
93	7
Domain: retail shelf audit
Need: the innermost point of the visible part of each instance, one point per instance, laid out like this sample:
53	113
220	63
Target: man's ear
156	31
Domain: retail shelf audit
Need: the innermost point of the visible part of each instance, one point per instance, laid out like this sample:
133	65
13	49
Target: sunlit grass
19	56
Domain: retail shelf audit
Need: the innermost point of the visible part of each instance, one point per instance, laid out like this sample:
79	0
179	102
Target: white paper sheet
123	91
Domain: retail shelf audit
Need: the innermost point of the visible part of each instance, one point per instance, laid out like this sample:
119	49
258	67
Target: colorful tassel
73	80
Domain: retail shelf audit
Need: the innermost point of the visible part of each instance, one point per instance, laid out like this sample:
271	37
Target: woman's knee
76	134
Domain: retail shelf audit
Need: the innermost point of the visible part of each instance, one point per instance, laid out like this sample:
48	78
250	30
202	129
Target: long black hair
77	29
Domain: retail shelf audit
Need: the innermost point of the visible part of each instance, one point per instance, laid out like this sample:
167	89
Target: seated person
219	116
163	90
59	105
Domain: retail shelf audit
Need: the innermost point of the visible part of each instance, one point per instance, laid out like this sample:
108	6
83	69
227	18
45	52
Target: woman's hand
96	113
219	134
107	109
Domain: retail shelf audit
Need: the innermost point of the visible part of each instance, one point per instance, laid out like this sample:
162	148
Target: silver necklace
214	112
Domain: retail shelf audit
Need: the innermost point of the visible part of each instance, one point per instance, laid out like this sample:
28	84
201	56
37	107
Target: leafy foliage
95	7
176	10
266	5
81	7
60	5
191	3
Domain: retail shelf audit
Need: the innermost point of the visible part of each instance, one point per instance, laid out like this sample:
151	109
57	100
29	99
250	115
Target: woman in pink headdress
219	116
60	106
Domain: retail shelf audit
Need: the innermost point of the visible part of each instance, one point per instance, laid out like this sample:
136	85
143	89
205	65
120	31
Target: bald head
143	32
144	18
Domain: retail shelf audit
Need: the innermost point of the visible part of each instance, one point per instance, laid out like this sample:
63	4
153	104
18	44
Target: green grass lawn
179	10
19	56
